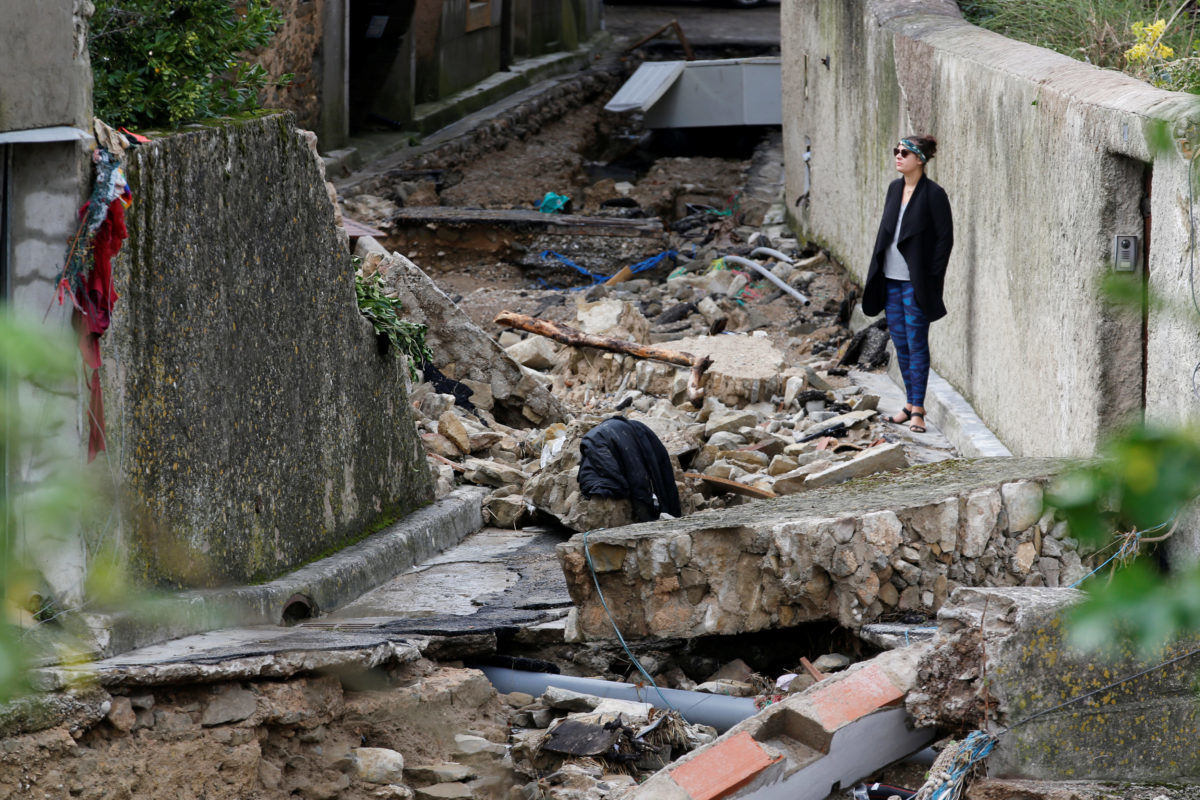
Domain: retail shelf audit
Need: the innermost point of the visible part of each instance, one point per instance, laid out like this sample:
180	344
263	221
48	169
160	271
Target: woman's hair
927	145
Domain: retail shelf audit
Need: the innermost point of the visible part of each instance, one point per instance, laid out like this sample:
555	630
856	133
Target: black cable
1112	685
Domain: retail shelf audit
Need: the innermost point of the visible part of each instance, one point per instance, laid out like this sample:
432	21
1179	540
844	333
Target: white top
894	265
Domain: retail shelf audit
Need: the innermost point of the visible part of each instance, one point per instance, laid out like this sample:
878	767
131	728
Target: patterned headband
912	148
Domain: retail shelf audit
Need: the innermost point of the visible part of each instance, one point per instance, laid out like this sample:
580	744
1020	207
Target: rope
1128	548
633	659
948	776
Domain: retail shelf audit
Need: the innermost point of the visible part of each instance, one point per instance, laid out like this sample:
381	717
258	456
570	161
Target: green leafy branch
171	63
406	338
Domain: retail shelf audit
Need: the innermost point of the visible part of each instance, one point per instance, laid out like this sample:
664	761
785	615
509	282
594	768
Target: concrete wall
1044	159
253	419
47	76
47	83
312	46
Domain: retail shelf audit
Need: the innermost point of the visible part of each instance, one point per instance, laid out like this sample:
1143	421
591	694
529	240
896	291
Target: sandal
917	427
902	416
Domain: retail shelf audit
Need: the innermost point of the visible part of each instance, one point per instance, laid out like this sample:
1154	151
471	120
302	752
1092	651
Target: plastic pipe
718	710
772	277
775	254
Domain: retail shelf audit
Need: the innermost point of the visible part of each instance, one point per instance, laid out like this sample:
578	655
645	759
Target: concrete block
874	459
722	767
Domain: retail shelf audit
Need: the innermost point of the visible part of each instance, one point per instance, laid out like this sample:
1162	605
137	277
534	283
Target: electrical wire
587	552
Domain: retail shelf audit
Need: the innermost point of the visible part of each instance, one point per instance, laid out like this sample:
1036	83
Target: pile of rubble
778	416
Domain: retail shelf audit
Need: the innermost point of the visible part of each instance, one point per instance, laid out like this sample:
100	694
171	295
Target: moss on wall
254	423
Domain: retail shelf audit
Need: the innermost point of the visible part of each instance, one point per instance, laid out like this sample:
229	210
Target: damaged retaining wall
1045	159
254	422
911	539
1008	647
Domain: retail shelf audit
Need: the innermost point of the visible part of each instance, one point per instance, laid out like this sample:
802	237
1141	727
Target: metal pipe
718	710
775	254
772	277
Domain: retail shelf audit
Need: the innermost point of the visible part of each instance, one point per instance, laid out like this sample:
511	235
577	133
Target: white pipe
771	276
718	710
775	254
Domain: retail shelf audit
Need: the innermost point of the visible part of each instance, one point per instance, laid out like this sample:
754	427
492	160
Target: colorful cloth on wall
87	279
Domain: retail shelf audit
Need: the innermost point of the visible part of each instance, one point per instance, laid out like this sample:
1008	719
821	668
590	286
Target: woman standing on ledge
908	268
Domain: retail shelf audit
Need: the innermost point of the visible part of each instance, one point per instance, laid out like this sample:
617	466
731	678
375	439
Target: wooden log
577	338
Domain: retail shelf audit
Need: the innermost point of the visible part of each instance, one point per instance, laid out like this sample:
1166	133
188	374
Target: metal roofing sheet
59	133
646	86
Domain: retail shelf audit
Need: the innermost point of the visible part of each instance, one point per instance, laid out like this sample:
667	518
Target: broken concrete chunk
782	464
433	405
445	791
505	512
875	459
566	700
729	421
492	473
815	381
445	772
536	352
619	319
749	460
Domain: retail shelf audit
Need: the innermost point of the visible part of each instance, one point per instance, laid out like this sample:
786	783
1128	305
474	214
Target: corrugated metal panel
59	133
646	86
744	91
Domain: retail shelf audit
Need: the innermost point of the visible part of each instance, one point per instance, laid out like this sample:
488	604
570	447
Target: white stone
883	531
730	421
1023	503
979	523
378	765
536	352
872	460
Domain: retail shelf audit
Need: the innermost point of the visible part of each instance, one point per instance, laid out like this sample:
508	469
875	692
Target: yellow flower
1162	51
1156	30
1139	52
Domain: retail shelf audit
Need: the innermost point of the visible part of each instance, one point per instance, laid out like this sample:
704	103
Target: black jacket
623	458
926	237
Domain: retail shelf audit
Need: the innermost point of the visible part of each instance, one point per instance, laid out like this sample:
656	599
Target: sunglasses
900	151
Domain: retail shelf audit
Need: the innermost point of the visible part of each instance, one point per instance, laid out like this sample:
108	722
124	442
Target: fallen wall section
1061	713
851	553
254	422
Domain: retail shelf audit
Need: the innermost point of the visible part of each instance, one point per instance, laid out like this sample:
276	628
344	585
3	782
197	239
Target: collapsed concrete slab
834	733
1061	713
460	349
849	553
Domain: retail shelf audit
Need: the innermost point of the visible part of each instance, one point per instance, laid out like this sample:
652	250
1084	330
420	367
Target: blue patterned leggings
910	334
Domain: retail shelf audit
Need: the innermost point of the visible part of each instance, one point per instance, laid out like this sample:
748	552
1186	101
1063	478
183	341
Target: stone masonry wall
912	538
254	421
1045	159
1062	713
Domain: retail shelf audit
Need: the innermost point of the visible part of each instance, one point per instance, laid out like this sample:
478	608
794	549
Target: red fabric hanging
94	302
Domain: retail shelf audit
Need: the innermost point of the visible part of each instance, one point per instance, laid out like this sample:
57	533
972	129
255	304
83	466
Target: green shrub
168	63
383	311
